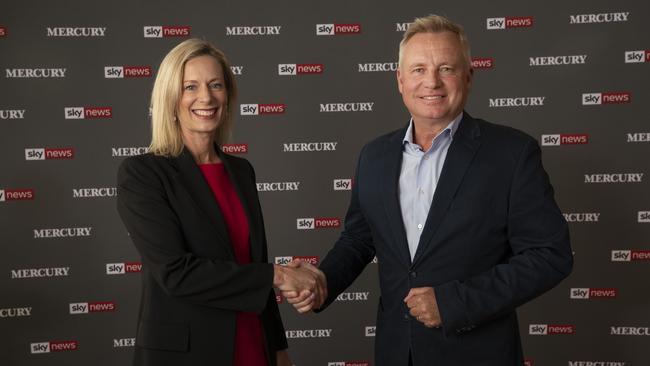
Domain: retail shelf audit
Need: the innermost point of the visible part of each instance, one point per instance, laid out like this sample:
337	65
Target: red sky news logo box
529	363
123	268
482	62
120	72
509	22
235	148
606	98
548	329
3	31
49	153
88	112
632	57
92	307
565	139
14	194
310	223
257	109
53	346
300	69
160	31
337	29
628	255
311	259
592	293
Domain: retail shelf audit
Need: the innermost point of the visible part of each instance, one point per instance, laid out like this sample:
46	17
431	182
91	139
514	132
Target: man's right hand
307	298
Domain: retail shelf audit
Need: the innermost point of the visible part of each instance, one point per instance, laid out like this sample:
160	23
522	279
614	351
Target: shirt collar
451	129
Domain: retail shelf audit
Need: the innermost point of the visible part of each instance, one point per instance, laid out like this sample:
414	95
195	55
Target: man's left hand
423	306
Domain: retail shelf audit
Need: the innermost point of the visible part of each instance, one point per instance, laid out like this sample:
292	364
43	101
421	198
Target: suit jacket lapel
389	179
248	201
200	191
459	157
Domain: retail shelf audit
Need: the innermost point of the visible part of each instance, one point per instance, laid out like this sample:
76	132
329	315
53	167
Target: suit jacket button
413	274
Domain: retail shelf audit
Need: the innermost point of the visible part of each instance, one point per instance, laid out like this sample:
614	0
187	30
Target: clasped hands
303	285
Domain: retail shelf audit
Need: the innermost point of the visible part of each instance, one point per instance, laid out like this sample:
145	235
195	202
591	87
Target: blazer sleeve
156	231
538	237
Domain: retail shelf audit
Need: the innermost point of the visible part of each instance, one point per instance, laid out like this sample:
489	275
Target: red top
249	345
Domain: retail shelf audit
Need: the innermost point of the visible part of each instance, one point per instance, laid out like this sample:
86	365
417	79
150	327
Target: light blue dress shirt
418	179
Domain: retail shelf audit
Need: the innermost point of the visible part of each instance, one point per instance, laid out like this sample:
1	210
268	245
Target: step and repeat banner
317	81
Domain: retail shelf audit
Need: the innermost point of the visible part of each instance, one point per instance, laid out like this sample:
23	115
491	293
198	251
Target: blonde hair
435	24
166	137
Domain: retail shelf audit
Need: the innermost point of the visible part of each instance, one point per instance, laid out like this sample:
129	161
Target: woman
193	214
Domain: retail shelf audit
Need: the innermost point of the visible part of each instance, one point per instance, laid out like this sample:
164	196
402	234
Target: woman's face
204	97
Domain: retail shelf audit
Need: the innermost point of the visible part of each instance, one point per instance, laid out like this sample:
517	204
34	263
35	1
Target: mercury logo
517	102
237	70
76	31
262	30
7	194
353	296
582	217
348	363
564	139
160	31
548	329
637	56
257	109
614	178
300	69
311	259
234	148
482	63
12	114
599	18
644	216
347	107
509	22
309	146
15	312
342	184
277	186
128	151
606	98
53	346
596	363
378	67
592	293
94	192
631	331
310	223
40	272
123	268
68	232
123	342
628	255
638	137
35	73
88	112
370	331
558	60
309	333
402	27
337	29
120	72
92	307
49	153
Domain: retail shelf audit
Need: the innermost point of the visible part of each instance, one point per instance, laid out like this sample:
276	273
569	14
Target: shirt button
406	316
420	226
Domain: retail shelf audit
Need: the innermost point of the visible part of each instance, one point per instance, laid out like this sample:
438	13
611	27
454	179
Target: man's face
434	78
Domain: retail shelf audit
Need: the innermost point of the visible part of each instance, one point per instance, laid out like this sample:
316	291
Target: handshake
303	285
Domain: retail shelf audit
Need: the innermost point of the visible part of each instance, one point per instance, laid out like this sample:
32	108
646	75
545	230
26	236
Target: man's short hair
435	24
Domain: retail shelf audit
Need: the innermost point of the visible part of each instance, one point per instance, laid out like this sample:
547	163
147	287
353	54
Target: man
460	214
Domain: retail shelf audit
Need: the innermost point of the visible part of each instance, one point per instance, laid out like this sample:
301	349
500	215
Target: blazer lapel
200	191
390	189
459	157
246	196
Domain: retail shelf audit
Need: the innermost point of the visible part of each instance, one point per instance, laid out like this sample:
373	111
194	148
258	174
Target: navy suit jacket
192	286
494	239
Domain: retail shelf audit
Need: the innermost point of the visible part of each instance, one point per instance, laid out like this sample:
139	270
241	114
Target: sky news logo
123	268
606	98
120	72
509	22
628	255
49	153
311	259
3	31
235	148
482	63
564	139
370	331
310	223
644	216
592	293
632	57
337	29
88	112
53	346
300	69
258	109
92	307
548	329
16	194
342	184
165	31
